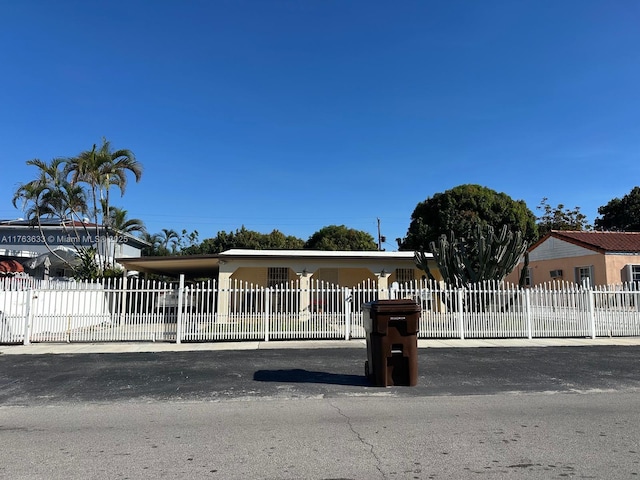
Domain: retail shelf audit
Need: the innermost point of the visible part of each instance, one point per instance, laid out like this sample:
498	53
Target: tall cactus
481	255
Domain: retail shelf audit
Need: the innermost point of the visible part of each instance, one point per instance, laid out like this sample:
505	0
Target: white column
224	296
305	295
383	285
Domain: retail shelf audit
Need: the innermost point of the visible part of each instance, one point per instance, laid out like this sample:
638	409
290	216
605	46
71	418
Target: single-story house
268	268
599	258
22	241
307	269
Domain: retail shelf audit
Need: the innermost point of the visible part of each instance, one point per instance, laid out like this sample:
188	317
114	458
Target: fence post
28	317
347	313
527	311
393	290
123	300
267	310
460	313
179	312
592	310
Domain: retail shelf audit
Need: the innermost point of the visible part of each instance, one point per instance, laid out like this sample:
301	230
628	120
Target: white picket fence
132	309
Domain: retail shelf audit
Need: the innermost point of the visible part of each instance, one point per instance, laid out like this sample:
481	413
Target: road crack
361	439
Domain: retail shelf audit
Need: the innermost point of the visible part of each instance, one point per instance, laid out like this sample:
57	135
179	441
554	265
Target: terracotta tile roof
627	242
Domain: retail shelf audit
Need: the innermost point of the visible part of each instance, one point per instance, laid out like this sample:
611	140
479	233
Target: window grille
277	276
404	275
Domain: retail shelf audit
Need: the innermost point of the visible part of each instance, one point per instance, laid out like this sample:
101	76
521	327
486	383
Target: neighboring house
599	258
21	240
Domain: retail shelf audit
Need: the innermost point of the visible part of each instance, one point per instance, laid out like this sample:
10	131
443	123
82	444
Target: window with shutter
584	275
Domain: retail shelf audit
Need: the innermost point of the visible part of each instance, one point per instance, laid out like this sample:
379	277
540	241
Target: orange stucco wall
607	269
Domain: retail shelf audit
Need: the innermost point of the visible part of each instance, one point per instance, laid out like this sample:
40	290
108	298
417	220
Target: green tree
155	242
100	169
462	209
119	222
621	214
339	237
187	239
560	218
58	193
243	238
51	196
169	239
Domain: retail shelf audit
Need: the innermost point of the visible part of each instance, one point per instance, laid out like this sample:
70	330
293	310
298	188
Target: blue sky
294	115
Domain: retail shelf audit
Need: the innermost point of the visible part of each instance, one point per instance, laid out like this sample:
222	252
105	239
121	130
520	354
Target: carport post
179	312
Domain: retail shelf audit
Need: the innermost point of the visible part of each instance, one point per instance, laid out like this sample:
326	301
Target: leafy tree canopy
463	208
621	214
339	237
243	238
560	218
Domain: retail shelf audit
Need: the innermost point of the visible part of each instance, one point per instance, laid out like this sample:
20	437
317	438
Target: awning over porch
10	267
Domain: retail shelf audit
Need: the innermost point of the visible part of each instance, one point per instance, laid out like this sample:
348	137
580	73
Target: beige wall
255	275
346	276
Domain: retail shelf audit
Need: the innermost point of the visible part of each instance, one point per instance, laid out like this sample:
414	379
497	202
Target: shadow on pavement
298	375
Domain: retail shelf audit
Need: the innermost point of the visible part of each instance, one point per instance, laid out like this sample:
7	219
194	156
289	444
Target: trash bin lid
403	305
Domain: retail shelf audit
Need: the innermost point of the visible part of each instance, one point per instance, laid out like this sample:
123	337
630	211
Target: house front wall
345	272
554	255
616	266
345	276
544	271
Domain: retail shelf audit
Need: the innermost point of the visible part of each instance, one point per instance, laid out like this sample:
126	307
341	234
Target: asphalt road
291	373
290	414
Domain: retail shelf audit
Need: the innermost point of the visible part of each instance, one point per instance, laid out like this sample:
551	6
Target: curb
137	347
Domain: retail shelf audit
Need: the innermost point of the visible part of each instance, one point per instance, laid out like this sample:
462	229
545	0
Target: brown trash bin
391	328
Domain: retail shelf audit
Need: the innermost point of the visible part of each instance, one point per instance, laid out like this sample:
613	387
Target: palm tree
50	195
154	240
168	236
101	168
119	222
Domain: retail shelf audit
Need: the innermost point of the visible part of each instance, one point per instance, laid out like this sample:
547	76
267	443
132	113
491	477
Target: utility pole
381	238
